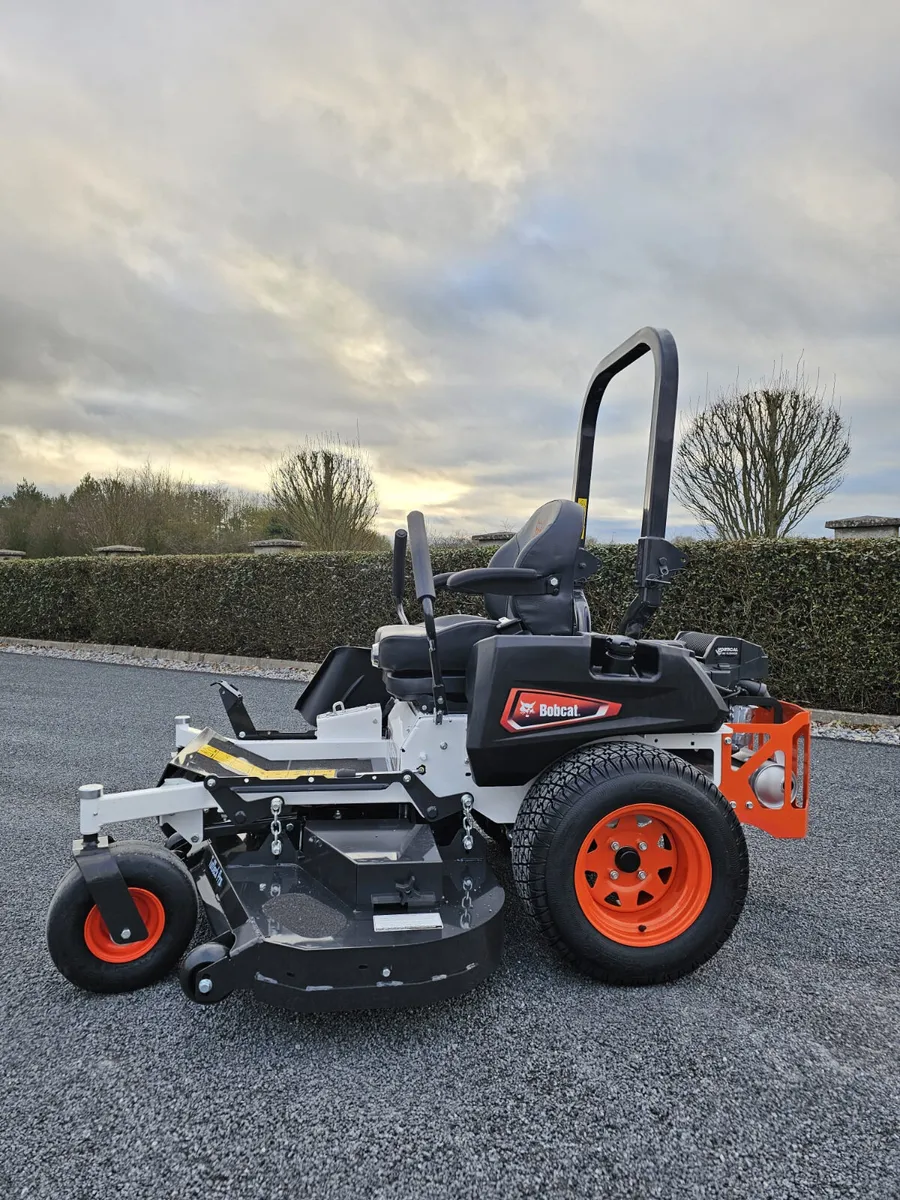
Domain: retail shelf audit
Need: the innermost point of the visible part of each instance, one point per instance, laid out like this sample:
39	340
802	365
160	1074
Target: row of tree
321	494
753	463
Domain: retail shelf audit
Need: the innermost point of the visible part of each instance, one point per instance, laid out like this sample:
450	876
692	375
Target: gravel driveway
773	1072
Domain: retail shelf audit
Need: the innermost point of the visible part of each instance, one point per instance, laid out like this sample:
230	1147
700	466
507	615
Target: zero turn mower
345	866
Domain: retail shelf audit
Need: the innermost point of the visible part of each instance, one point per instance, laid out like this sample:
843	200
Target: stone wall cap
12	553
119	550
862	522
502	535
286	542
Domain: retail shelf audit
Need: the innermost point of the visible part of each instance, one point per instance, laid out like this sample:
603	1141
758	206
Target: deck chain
468	839
275	827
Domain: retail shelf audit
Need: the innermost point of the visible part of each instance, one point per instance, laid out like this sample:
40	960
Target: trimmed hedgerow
827	613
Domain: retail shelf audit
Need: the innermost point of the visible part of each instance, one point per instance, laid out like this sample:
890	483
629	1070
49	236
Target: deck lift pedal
346	866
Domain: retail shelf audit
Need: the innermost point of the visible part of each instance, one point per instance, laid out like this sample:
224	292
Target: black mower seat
405	648
550	543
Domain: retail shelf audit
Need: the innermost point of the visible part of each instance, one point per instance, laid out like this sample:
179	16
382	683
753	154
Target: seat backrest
548	542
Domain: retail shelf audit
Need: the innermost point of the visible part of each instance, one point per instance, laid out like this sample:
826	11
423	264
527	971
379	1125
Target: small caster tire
79	942
178	845
194	980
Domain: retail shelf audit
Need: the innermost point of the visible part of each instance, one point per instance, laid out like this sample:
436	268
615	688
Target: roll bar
657	559
661	344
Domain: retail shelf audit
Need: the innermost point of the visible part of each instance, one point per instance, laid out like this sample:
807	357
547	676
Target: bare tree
106	510
165	515
756	462
327	496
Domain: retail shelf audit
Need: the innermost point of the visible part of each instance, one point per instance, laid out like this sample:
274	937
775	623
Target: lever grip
421	556
398	566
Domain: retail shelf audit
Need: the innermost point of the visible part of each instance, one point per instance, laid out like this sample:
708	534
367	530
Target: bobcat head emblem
525	709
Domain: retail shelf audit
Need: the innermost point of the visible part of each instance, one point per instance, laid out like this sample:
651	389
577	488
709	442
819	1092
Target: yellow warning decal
241	766
582	500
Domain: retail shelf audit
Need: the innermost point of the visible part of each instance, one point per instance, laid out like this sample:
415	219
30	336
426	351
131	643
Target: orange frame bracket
767	739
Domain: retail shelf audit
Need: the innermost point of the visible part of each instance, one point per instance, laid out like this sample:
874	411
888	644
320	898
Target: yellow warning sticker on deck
242	766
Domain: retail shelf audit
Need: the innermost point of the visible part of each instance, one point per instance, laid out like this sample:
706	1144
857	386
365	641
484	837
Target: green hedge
828	613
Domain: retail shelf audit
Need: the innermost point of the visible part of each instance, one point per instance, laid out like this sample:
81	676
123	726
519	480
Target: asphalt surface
772	1072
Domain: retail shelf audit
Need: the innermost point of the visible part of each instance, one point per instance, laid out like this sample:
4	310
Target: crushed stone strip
163	664
882	736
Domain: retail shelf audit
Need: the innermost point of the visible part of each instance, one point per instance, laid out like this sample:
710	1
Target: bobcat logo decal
528	710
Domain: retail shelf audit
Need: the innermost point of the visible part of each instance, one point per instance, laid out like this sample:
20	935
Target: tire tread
547	803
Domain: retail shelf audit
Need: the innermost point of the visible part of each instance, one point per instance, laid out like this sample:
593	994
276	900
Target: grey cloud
226	227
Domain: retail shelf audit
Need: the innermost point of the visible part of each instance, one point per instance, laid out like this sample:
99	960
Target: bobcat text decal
526	710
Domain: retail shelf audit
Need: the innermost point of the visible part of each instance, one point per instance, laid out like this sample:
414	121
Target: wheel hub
98	940
627	859
649	896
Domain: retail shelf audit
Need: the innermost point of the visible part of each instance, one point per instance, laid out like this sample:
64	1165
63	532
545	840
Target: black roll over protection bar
657	559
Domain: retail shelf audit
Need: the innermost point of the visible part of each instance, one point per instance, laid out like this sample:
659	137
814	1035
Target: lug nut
642	846
614	874
204	987
642	874
126	934
613	845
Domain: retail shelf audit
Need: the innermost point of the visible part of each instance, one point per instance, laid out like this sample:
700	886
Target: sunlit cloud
422	225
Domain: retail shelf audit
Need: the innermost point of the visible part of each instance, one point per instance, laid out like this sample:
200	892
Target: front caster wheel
631	862
178	845
195	977
80	944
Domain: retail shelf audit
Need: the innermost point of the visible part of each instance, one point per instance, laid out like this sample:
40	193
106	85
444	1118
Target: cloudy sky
229	224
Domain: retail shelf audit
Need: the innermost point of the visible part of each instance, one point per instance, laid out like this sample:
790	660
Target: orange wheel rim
643	875
101	945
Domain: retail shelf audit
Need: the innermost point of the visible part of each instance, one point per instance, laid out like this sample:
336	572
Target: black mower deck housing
353	913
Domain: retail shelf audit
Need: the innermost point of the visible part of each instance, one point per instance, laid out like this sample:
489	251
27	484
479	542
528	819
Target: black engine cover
727	659
532	699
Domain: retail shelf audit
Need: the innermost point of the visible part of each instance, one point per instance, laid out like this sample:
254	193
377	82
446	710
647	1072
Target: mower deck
363	940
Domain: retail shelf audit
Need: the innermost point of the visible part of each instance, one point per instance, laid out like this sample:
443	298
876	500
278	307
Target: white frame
414	740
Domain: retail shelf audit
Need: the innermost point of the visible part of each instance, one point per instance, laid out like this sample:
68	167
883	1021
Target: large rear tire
631	862
79	942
